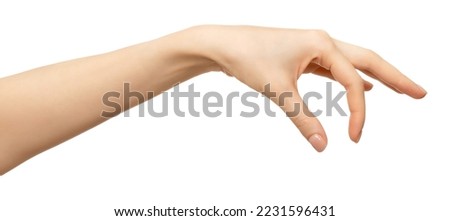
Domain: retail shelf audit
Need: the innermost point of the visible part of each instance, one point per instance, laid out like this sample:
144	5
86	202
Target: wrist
194	50
206	43
174	58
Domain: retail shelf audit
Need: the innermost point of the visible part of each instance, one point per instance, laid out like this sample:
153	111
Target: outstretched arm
49	105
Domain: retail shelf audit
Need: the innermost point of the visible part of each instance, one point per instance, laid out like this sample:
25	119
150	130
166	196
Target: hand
259	56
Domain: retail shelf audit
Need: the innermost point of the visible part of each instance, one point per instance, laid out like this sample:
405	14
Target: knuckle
320	33
356	83
302	122
321	40
369	59
370	54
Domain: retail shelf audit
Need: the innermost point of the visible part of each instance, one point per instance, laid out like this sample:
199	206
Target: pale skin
44	107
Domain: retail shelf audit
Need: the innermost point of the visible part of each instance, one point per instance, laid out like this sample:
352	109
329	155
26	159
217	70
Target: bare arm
49	105
46	106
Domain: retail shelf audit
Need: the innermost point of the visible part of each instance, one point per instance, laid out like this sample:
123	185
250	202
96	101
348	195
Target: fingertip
356	127
357	137
368	86
422	92
318	142
411	89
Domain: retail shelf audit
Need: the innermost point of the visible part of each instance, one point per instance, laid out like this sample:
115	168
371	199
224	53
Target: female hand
278	57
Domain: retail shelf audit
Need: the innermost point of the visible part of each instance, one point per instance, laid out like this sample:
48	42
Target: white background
398	171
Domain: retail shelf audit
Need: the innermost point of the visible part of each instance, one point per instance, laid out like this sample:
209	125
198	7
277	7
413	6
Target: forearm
46	106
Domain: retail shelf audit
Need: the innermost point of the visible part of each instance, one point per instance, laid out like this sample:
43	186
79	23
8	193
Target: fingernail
359	137
317	142
422	89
